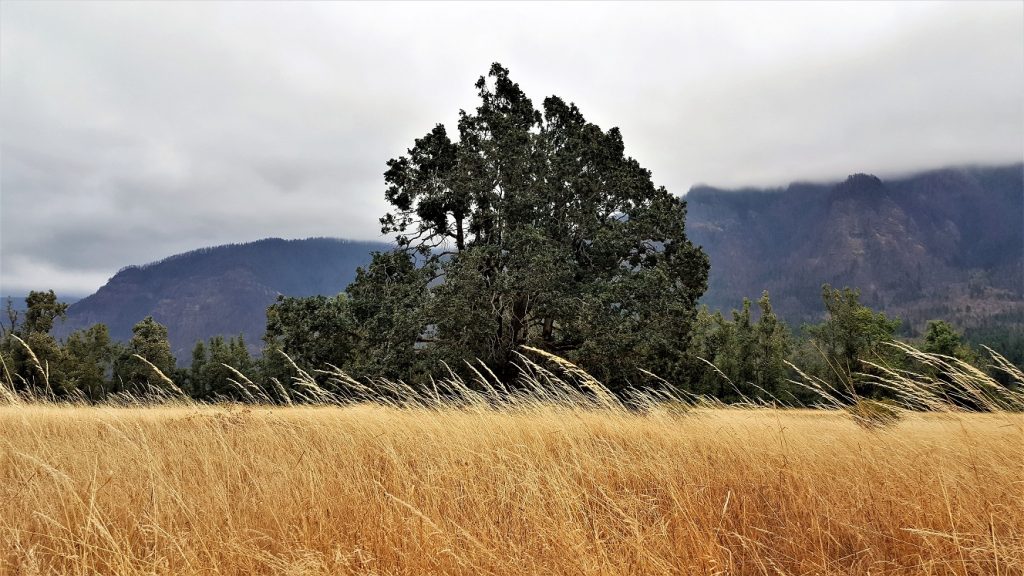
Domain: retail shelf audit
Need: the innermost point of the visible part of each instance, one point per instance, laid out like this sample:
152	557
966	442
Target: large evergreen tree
543	232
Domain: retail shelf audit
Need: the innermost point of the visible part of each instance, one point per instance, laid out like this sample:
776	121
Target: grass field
370	489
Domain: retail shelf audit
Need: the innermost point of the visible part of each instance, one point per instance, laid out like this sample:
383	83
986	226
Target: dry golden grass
372	489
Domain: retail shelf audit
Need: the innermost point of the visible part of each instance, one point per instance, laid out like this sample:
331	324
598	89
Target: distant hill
224	290
942	244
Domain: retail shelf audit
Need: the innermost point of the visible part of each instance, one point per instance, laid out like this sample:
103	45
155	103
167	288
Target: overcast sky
132	131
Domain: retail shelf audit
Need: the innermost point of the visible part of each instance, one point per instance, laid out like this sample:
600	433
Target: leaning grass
553	477
371	489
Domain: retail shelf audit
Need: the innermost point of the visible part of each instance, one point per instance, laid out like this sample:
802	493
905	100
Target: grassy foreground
370	489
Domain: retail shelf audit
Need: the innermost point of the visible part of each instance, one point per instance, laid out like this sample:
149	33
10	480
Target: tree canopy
35	354
148	341
851	334
748	356
539	230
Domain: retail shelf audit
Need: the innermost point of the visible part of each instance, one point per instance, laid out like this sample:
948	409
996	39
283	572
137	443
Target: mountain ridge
946	243
219	290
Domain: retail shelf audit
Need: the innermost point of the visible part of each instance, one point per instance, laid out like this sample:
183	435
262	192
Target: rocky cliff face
943	244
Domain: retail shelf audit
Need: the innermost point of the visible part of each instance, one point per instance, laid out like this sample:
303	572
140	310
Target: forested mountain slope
942	244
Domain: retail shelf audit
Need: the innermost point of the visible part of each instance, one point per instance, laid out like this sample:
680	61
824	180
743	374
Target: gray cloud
134	131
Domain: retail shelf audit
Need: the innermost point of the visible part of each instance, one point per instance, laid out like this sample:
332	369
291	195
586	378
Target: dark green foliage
88	361
38	371
544	233
850	334
942	338
195	385
1004	335
35	362
388	306
209	376
42	309
357	331
32	356
149	340
748	356
314	331
772	349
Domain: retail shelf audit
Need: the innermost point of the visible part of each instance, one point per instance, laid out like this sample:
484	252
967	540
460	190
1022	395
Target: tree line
745	356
